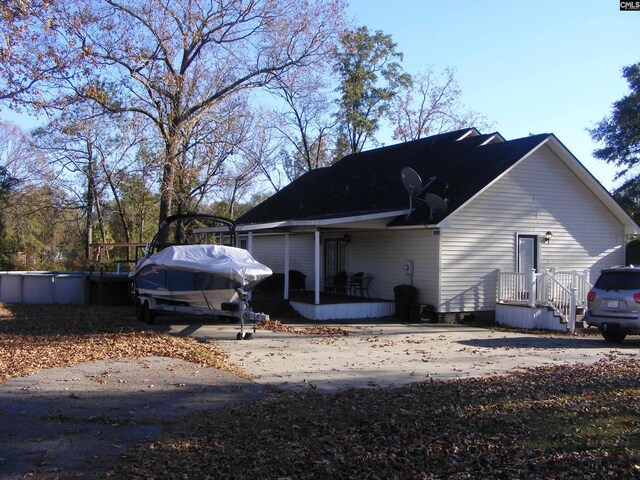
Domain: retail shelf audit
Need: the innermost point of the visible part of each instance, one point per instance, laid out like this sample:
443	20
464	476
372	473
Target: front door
335	260
527	253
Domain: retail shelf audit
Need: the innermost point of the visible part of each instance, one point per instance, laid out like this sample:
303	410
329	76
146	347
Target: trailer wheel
139	310
148	315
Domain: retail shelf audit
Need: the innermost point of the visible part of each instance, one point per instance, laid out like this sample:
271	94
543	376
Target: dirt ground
77	421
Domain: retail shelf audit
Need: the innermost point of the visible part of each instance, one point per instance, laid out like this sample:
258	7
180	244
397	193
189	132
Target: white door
527	253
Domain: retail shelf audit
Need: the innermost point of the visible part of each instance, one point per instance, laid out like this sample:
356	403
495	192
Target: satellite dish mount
413	184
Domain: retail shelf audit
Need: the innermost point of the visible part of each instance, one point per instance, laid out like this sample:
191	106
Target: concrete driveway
383	354
79	420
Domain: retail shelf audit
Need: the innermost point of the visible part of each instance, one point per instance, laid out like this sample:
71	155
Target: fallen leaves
278	326
579	421
35	337
576	421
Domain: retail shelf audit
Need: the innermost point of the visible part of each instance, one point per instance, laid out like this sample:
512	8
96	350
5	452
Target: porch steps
582	327
555	321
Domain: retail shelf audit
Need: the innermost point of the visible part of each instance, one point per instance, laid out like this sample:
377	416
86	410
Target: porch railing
562	291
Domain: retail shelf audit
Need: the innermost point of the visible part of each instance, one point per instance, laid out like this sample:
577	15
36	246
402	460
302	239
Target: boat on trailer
193	266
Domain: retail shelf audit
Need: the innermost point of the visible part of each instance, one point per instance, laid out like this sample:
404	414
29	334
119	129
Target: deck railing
561	290
118	256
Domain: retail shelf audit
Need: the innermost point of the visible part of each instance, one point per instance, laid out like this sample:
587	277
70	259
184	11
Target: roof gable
462	162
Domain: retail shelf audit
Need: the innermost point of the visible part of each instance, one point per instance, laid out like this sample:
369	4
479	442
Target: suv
614	303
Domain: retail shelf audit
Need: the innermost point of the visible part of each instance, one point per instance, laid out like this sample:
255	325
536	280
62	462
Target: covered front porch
336	269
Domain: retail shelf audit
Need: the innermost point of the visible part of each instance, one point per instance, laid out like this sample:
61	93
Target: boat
193	266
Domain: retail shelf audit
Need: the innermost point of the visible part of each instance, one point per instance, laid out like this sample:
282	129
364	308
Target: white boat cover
229	262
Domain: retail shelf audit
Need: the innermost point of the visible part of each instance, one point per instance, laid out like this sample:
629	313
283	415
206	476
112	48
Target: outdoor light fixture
347	238
547	237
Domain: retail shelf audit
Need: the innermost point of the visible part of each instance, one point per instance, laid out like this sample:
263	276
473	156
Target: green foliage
628	196
7	182
632	253
38	233
370	77
620	132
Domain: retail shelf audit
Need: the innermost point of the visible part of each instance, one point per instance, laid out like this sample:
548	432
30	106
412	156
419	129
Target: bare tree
207	147
35	230
307	123
429	105
32	59
19	157
262	149
173	61
91	155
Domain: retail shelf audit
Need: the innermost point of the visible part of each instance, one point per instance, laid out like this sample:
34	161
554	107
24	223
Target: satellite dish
411	180
413	184
436	204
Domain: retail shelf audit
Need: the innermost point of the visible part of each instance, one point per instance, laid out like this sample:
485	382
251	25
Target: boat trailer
147	308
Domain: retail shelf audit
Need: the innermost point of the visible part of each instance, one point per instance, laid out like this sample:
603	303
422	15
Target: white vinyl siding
539	194
379	254
269	250
383	254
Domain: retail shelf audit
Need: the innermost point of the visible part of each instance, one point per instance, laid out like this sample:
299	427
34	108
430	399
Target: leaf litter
569	422
36	337
580	421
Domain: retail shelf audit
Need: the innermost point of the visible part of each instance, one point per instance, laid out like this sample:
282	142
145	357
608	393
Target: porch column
316	273
250	250
286	266
531	287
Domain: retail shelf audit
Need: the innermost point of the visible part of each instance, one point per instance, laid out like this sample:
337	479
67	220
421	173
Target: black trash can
405	297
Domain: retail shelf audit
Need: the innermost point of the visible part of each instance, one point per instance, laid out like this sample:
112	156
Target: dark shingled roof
369	182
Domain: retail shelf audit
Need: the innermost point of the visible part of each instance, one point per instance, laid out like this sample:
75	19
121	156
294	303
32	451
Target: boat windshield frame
160	240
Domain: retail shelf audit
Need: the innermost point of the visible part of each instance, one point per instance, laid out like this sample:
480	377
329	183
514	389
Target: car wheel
614	336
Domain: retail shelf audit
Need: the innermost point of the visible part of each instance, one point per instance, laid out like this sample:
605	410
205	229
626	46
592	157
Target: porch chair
359	284
297	280
340	283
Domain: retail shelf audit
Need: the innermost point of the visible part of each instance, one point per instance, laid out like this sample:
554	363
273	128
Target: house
470	220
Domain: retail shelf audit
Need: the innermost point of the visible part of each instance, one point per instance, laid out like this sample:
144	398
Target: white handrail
560	298
580	280
563	291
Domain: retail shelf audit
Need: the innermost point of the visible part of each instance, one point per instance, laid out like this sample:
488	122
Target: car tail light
636	297
591	296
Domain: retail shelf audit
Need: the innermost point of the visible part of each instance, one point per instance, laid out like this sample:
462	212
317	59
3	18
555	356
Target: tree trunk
167	190
90	199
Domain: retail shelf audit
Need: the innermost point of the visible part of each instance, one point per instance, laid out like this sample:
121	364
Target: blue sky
537	66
